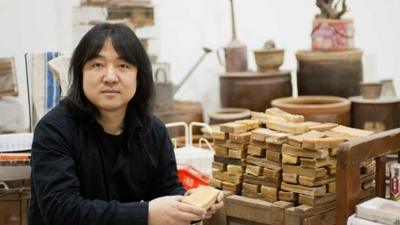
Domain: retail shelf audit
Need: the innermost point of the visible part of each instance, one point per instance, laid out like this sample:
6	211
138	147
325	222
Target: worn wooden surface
349	157
14	206
9	213
304	214
380	176
243	211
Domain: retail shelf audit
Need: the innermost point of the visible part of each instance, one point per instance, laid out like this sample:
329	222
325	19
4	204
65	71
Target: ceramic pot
225	115
254	90
332	34
371	90
268	59
388	90
317	108
329	73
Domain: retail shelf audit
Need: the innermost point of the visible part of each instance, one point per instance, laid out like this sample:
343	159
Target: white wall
33	26
187	25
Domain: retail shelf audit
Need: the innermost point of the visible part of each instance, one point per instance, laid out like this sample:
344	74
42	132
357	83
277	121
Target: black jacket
70	186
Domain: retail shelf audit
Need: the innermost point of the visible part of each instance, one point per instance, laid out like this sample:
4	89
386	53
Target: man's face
109	82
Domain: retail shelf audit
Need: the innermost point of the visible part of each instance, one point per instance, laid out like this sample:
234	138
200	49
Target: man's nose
110	75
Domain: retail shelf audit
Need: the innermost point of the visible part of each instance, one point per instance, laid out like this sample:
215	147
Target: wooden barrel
228	114
254	90
375	114
185	111
317	108
329	73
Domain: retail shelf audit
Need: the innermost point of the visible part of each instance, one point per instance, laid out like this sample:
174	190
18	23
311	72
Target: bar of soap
203	197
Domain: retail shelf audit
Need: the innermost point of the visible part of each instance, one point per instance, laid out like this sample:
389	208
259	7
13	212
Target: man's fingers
182	223
220	196
191	209
186	216
189	192
211	212
216	206
177	198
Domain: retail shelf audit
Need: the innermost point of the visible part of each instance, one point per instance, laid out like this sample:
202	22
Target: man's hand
214	208
170	211
217	205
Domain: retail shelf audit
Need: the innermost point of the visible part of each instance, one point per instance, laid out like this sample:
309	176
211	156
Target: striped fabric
44	86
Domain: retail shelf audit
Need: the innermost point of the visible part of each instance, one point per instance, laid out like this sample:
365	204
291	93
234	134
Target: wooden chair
349	157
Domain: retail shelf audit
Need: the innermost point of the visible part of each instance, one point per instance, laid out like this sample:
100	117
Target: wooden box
247	211
307	215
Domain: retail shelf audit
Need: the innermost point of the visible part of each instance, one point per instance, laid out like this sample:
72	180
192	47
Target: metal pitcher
235	51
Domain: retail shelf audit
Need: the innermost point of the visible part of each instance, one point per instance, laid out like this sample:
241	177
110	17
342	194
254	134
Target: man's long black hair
129	48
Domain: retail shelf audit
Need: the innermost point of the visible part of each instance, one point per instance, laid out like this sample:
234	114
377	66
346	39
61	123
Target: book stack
230	148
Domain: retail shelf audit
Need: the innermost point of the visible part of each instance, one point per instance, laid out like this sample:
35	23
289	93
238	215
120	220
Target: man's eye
97	65
124	66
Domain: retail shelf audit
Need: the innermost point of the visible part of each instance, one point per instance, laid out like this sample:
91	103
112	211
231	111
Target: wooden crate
14	205
247	211
10	213
307	215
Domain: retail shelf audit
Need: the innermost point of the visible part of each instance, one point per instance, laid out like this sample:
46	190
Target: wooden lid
349	55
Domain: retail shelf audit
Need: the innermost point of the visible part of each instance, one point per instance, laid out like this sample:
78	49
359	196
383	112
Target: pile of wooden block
319	203
367	171
262	177
309	162
286	158
309	167
230	148
290	161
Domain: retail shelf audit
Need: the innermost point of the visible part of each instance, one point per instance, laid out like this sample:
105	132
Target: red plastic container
190	177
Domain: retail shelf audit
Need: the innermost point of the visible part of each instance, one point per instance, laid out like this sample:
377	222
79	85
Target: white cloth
11	115
59	67
44	85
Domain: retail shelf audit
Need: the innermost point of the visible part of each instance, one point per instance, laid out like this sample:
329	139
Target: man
100	157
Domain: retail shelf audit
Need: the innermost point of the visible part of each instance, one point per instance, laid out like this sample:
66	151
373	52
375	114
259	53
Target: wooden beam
347	185
380	176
